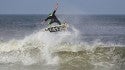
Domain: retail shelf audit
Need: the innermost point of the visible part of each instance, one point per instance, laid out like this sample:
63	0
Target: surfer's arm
54	12
44	20
56	7
47	18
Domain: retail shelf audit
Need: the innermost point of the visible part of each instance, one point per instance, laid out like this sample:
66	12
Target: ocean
91	42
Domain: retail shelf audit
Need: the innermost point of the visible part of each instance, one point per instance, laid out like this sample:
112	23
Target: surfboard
57	28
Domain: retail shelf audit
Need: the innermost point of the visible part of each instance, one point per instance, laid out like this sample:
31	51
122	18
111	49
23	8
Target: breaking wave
63	48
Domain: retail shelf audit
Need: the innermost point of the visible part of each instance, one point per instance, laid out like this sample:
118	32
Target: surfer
52	17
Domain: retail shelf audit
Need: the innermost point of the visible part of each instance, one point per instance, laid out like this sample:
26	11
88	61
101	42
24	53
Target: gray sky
65	6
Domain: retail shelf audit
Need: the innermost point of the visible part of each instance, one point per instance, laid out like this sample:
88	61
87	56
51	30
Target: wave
60	48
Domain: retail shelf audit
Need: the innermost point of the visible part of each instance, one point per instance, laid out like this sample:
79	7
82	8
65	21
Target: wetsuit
53	18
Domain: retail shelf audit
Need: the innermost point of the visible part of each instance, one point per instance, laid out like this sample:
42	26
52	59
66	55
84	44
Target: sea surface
91	42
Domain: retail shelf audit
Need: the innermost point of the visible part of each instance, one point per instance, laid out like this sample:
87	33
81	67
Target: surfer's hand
56	7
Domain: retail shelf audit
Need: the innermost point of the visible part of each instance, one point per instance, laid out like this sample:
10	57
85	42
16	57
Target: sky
65	6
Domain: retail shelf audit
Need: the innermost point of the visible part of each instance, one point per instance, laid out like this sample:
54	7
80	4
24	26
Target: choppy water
91	43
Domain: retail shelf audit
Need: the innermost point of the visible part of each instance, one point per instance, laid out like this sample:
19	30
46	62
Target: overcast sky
65	6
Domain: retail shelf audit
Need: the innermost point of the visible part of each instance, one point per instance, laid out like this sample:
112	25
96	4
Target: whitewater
57	48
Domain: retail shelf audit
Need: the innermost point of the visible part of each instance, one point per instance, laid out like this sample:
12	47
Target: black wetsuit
53	18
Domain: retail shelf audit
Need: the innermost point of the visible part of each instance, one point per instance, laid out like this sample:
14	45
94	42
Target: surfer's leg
50	22
57	21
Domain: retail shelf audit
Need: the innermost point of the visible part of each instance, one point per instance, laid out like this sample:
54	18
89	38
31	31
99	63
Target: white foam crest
41	40
40	45
9	46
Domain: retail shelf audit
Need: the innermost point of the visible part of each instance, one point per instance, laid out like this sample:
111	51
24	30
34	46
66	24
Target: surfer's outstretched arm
47	18
55	9
44	20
